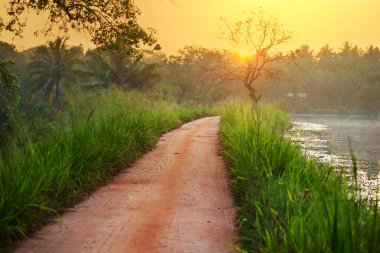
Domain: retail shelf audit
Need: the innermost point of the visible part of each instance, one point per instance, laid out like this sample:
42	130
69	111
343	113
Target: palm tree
125	68
54	65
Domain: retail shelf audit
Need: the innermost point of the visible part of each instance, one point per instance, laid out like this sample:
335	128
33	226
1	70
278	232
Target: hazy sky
314	22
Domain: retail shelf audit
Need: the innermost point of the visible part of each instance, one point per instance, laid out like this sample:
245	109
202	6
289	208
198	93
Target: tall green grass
92	140
286	202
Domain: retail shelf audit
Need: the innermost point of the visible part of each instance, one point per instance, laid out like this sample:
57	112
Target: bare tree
255	40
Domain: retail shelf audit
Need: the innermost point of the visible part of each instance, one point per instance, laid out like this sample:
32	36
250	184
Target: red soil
174	199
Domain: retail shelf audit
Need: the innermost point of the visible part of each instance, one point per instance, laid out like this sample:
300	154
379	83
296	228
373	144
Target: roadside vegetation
70	119
49	165
286	202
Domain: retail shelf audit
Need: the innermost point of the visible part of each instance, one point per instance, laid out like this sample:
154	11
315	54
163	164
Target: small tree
255	40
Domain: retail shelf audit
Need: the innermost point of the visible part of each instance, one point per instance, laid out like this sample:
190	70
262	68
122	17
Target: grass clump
89	143
286	202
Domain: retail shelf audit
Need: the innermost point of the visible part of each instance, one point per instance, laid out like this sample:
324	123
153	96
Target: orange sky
314	22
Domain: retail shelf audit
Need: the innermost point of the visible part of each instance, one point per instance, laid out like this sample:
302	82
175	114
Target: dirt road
174	199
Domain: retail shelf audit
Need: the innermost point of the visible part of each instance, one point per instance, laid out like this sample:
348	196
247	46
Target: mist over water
364	133
326	137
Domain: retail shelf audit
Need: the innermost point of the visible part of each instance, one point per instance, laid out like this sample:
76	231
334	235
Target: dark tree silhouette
105	20
9	85
53	65
259	36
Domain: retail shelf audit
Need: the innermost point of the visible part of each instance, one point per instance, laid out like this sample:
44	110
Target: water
326	137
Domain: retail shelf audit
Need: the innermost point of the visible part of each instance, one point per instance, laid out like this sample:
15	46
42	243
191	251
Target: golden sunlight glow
183	22
243	53
313	22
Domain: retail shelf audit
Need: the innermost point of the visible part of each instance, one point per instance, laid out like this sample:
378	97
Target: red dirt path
174	199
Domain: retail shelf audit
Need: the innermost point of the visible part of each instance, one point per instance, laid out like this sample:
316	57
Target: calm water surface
326	137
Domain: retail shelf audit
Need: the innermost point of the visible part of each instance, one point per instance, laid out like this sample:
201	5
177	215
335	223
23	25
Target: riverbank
287	202
326	144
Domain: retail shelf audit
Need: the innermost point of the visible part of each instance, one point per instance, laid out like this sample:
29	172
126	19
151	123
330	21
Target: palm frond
52	64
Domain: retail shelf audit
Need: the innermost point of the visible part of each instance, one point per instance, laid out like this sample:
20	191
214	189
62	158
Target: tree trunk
254	98
57	93
254	105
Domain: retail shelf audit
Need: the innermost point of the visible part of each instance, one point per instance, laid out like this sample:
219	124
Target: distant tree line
37	84
343	80
47	73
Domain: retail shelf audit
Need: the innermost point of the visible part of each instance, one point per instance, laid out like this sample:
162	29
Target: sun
243	53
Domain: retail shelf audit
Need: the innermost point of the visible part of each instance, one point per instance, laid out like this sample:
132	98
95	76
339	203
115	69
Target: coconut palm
125	68
54	65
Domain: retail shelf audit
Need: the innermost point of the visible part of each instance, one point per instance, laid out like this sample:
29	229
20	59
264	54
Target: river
326	137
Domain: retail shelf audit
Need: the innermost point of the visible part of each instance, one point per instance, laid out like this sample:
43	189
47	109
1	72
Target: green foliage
168	92
330	80
9	86
198	74
7	51
286	202
124	68
368	98
93	140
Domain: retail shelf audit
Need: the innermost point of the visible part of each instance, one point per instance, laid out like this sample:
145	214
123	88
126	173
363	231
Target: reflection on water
326	137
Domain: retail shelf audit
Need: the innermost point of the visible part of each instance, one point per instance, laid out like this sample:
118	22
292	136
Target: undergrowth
286	202
41	173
